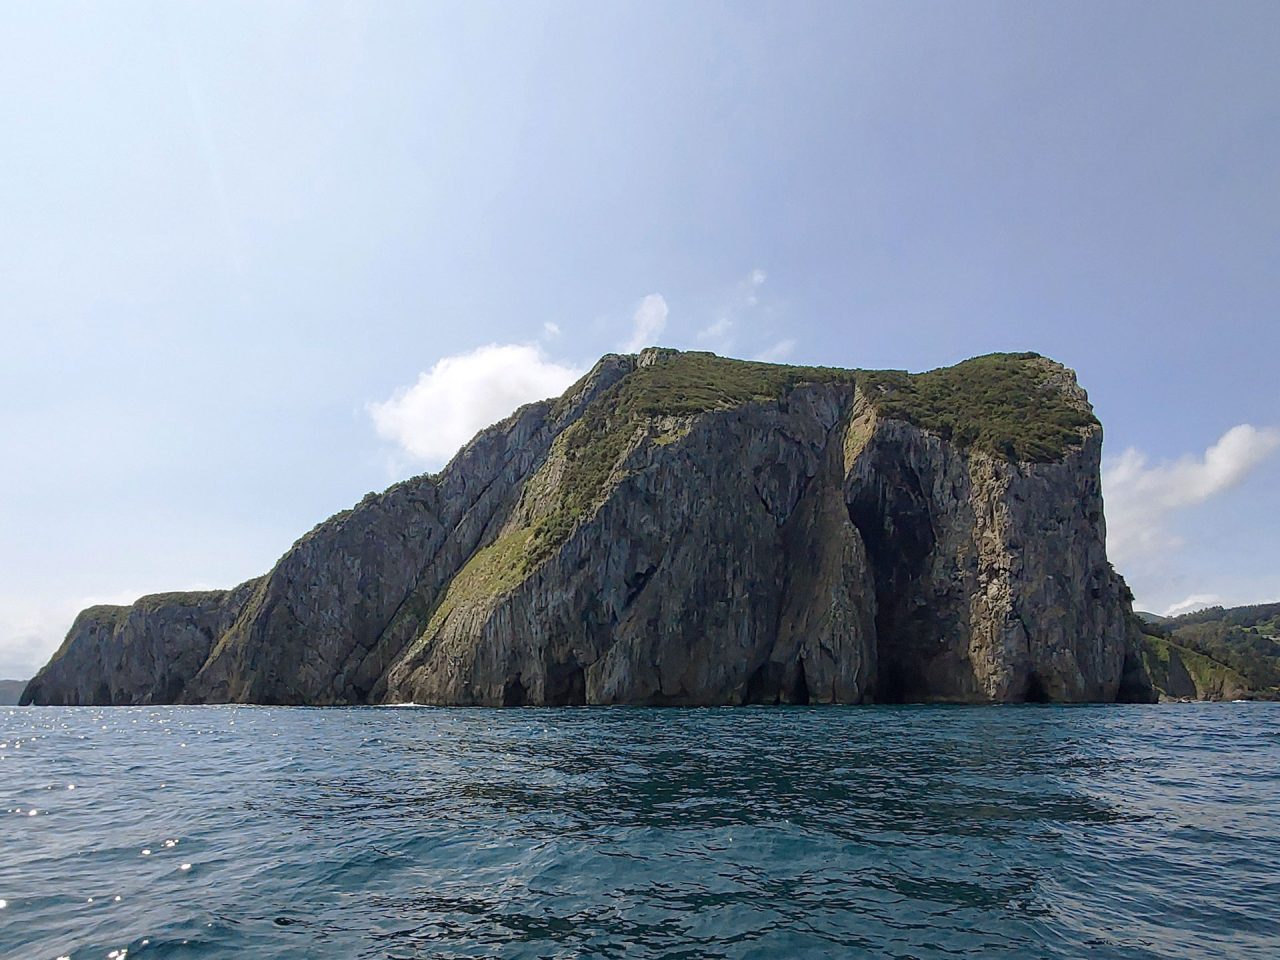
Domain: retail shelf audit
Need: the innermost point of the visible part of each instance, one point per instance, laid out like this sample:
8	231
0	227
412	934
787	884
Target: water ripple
1126	832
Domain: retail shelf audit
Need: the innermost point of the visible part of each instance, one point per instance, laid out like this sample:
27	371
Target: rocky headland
684	529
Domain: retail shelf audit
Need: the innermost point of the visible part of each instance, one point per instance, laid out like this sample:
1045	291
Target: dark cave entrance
1035	691
566	685
513	693
768	684
891	513
890	686
800	687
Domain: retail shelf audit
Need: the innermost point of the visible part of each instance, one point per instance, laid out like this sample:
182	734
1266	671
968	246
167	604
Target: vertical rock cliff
681	528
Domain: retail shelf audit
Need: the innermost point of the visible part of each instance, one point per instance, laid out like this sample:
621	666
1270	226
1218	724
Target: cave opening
514	693
566	685
891	513
173	688
1035	691
800	687
889	686
765	684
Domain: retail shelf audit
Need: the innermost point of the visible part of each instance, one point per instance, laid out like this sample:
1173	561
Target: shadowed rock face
682	529
992	576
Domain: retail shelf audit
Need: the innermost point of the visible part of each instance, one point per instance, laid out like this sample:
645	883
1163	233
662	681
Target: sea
759	832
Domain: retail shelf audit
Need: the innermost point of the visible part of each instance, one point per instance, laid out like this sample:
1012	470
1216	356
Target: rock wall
991	576
746	534
144	653
722	568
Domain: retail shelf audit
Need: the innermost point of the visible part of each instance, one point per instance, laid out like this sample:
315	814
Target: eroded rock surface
683	529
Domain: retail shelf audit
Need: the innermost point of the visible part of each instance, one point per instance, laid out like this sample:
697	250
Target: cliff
680	528
1180	673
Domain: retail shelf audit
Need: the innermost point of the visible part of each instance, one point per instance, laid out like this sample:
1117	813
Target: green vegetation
676	385
1005	403
186	598
1012	405
1245	638
490	571
1211	678
1264	616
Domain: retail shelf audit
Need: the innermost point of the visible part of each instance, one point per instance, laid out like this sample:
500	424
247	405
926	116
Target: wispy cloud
717	331
720	334
777	352
550	330
1197	601
1142	498
647	323
460	395
199	116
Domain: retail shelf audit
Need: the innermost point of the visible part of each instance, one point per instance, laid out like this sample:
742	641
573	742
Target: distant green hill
10	691
1181	673
1245	640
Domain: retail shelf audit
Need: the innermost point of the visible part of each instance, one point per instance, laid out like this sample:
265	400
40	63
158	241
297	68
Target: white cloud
550	329
754	280
1197	601
432	419
647	324
1142	498
778	352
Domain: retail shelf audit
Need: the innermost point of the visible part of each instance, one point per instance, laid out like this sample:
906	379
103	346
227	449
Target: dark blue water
924	832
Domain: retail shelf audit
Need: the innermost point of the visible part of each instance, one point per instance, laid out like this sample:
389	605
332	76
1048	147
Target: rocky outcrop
683	529
144	653
720	568
992	575
1179	673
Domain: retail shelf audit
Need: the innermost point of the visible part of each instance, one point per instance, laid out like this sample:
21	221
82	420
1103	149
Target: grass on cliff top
1002	403
676	385
182	598
682	384
152	602
1005	404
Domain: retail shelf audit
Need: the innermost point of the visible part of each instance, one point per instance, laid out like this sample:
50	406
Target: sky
257	260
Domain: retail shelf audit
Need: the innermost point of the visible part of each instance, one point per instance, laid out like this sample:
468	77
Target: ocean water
924	832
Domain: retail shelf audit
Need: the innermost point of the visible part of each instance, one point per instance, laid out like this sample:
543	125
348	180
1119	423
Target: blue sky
254	257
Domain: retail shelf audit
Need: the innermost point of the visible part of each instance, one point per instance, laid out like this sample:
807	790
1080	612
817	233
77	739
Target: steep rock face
683	529
721	568
145	653
325	624
992	576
